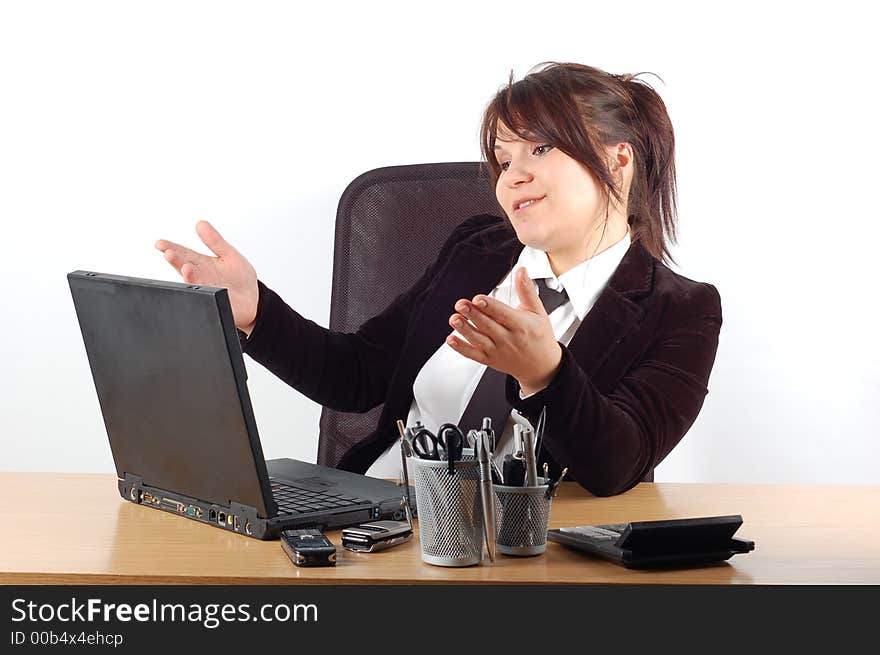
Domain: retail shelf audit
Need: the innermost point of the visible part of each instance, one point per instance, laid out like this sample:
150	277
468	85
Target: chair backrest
390	225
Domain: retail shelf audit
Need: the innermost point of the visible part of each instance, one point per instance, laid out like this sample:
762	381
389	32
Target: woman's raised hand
229	269
516	341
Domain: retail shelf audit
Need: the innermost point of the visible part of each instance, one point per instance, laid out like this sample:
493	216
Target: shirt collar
583	283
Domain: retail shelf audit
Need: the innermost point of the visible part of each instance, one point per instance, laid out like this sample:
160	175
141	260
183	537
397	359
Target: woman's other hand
518	341
229	269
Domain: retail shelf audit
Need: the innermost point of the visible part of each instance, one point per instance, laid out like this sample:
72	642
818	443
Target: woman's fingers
500	312
483	322
189	274
470	333
172	257
188	263
162	245
178	252
467	350
211	238
177	256
228	269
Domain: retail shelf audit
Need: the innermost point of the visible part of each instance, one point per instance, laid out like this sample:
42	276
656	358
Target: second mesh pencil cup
522	516
450	512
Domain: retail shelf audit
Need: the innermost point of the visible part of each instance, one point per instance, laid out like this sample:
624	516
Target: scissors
447	444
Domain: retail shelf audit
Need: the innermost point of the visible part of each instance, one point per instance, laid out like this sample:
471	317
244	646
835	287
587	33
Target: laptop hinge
249	523
130	487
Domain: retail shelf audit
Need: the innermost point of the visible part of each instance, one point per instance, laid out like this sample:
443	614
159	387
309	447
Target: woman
583	166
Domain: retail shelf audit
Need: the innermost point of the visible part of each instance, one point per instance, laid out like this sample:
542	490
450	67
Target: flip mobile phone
308	547
377	535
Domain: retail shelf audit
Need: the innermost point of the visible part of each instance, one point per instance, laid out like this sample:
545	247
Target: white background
122	123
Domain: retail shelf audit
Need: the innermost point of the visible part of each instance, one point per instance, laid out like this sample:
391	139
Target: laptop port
212	515
229	520
235	523
172	504
221	518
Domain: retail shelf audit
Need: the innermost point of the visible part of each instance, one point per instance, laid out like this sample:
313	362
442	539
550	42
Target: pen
561	476
404	444
472	437
496	474
487	494
517	438
551	489
407	511
539	433
487	428
529	452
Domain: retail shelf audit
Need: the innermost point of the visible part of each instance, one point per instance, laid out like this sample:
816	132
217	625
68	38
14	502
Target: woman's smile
525	205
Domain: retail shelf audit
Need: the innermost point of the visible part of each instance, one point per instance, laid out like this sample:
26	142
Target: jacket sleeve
348	372
611	441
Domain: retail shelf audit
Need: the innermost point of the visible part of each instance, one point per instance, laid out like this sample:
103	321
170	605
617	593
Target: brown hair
580	109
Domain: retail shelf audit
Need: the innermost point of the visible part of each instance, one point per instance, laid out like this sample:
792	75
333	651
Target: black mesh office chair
390	225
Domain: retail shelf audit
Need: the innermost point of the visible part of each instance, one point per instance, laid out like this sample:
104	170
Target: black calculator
657	544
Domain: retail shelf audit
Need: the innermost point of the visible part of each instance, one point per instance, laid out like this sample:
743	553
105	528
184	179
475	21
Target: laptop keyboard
292	499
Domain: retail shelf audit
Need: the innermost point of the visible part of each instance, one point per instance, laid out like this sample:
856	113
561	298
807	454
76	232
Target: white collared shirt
444	386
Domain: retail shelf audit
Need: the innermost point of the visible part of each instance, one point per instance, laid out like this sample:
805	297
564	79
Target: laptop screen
170	377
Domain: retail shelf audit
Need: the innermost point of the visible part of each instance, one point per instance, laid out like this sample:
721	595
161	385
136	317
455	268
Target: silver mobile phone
378	535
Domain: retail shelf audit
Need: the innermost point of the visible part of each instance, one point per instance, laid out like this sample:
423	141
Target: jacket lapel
616	311
475	266
478	265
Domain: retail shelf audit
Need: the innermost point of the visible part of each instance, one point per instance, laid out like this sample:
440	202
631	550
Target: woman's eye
539	151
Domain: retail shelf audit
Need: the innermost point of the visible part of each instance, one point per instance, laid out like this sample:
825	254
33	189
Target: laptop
171	382
658	544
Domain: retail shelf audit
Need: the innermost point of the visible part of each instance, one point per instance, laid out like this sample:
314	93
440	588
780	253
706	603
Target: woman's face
567	203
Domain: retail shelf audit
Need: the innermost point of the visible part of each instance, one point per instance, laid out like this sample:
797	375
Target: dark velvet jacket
631	383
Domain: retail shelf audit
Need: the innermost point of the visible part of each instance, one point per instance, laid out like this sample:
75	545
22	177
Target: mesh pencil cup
522	516
450	512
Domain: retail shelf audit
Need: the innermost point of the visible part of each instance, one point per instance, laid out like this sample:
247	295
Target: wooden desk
74	528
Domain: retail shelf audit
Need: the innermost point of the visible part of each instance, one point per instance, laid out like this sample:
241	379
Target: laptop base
383	501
